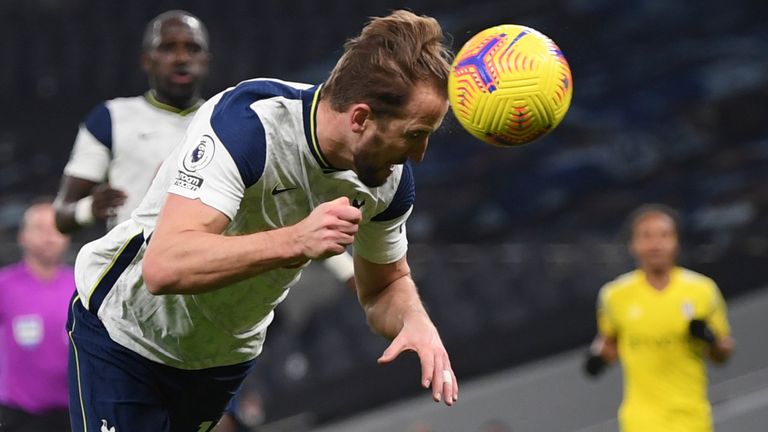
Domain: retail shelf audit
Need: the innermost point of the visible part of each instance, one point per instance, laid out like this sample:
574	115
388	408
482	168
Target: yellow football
510	85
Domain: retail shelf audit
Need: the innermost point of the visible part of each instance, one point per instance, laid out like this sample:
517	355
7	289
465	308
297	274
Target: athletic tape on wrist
341	266
84	211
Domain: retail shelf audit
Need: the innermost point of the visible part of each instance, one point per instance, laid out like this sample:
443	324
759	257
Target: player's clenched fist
106	200
328	230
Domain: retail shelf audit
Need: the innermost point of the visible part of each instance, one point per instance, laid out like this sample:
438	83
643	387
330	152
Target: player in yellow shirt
661	321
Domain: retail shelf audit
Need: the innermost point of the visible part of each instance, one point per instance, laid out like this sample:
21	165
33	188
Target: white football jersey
251	152
124	141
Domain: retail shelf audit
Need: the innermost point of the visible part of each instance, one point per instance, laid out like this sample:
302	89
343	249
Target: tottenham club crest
201	155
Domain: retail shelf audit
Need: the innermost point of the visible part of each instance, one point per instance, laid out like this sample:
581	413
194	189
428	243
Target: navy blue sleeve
240	130
405	196
99	124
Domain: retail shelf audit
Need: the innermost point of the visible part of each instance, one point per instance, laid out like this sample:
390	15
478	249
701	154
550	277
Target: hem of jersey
385	259
217	205
106	270
126	342
75	167
83	176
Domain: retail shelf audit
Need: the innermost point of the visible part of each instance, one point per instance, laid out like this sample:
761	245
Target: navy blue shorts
111	386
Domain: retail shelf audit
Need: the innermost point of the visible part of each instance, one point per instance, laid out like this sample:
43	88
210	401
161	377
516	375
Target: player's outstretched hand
106	200
421	336
329	229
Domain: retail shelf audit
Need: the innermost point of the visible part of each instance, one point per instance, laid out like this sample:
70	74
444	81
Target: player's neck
180	104
658	278
41	270
330	137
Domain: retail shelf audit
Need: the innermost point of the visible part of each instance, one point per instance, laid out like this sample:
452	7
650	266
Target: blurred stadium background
509	247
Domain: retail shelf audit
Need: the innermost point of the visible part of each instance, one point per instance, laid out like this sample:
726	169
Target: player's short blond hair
381	66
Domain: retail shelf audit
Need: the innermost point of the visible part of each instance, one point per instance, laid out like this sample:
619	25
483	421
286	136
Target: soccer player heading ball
172	306
660	320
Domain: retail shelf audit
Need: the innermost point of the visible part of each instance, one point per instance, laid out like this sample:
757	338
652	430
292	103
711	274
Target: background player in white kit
122	142
173	305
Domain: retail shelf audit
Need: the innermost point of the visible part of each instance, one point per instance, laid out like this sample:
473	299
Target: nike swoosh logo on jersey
145	135
276	191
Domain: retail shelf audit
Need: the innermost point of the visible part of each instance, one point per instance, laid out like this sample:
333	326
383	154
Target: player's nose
181	54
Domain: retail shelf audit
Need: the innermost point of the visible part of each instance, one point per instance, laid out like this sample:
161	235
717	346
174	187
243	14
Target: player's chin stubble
370	174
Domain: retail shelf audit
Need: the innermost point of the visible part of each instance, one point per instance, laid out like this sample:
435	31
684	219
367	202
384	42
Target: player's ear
631	249
360	114
145	62
21	239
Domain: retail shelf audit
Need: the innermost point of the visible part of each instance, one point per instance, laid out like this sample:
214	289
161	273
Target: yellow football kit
665	379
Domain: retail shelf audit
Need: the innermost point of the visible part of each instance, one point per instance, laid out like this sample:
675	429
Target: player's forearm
721	350
65	217
393	307
602	353
195	262
74	204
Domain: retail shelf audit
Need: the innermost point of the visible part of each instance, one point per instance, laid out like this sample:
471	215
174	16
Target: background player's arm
83	195
72	190
721	350
714	329
604	349
188	254
393	309
602	353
